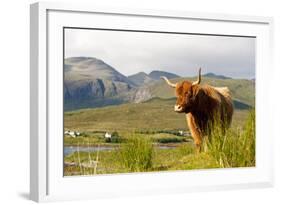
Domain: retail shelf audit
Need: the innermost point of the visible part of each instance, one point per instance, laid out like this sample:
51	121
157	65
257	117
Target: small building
181	133
107	135
72	133
184	133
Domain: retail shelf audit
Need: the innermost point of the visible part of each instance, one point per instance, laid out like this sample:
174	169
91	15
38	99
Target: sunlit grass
137	153
233	147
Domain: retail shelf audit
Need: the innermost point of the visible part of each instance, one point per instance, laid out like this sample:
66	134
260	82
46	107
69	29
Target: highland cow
202	104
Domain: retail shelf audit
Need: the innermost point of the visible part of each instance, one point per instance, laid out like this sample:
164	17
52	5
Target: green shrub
233	147
137	153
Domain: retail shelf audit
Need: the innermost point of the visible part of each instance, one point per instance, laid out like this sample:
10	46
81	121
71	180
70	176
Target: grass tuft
233	147
137	153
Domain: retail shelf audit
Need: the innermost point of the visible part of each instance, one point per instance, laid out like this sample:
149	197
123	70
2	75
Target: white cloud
132	52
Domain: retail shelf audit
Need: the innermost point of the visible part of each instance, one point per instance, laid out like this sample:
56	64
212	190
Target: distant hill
85	68
156	74
212	75
242	90
140	79
154	114
91	82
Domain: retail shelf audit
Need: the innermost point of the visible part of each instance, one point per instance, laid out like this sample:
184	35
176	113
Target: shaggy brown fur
202	104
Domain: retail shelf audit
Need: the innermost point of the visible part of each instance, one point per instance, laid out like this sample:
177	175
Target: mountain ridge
140	78
213	75
156	74
90	82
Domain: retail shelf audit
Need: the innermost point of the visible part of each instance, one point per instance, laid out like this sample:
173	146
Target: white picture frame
46	178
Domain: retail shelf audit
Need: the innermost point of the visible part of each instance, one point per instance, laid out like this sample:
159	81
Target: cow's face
185	98
184	93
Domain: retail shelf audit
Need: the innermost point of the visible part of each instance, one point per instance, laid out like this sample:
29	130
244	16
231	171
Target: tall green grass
137	153
234	147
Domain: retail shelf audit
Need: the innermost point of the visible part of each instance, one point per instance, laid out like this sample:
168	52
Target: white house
72	133
107	135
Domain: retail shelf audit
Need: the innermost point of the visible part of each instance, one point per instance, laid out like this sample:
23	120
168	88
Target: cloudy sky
132	52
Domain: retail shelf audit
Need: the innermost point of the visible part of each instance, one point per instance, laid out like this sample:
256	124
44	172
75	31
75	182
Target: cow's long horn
173	85
199	78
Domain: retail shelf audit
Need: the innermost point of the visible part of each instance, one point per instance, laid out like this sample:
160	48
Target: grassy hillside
155	114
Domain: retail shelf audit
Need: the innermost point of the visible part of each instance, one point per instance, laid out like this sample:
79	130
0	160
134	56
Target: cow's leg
195	131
